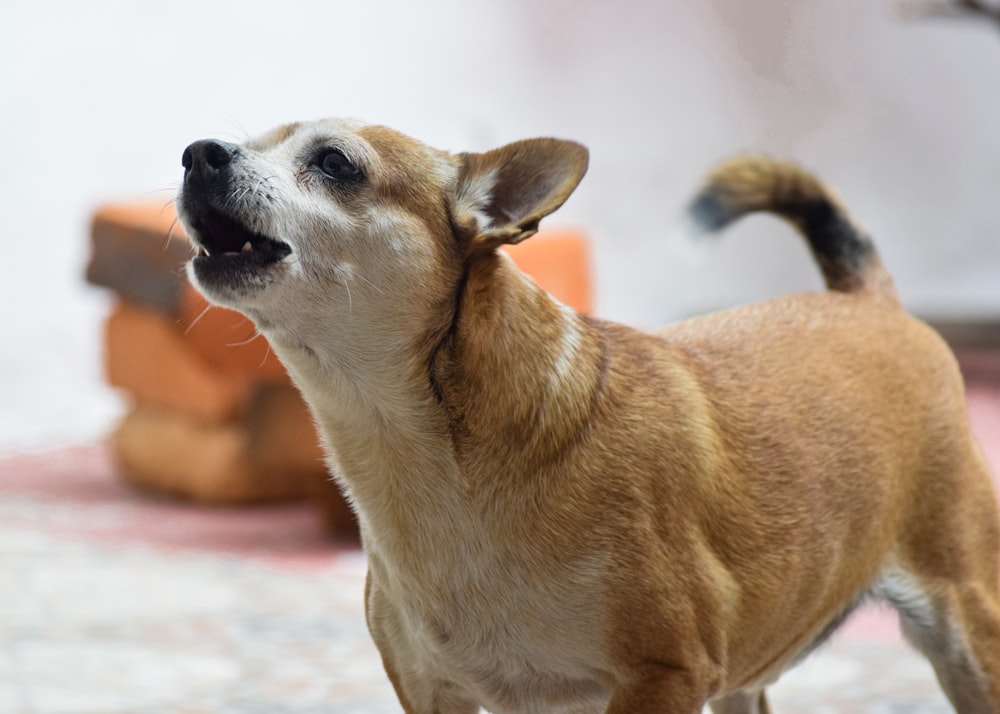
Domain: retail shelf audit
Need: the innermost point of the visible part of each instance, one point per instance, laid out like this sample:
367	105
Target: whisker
234	198
242	343
173	189
170	233
350	303
267	351
247	190
240	128
369	282
196	320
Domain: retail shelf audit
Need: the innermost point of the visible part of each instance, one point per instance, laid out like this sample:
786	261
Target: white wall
98	99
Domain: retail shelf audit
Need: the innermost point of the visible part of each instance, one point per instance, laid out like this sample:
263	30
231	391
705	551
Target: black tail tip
708	213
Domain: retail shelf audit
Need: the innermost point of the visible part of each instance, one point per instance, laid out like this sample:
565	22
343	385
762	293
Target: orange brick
152	217
173	453
130	253
227	339
272	452
282	433
283	440
559	260
145	354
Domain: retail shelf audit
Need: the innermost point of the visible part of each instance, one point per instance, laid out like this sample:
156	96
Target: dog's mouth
221	239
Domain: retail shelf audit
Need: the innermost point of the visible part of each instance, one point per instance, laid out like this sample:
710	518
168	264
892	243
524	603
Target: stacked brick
213	416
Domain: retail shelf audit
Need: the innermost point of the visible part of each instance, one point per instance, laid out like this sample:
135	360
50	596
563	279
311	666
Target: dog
564	514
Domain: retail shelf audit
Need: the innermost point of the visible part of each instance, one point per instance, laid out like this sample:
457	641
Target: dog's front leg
417	692
661	688
742	703
423	696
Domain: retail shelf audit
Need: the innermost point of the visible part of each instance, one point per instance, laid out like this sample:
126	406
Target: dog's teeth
202	252
247	248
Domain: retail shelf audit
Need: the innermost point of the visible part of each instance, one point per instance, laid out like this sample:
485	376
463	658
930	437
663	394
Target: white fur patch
905	594
474	195
935	630
569	348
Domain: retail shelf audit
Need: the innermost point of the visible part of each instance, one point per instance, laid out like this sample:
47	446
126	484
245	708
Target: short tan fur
564	514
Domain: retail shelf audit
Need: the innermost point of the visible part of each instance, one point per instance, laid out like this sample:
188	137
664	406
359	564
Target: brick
281	431
210	438
132	254
227	339
559	260
175	454
271	453
283	440
146	355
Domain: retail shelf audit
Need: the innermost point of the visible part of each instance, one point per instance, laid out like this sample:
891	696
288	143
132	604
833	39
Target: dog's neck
419	436
511	332
386	435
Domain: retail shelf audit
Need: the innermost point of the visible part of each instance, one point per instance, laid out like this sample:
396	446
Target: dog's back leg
742	703
958	629
945	587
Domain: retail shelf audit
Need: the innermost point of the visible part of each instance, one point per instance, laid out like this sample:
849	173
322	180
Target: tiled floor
115	603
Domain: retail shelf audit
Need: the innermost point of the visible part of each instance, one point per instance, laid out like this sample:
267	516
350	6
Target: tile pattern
91	629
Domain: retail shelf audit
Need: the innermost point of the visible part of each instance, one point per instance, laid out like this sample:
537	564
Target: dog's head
334	222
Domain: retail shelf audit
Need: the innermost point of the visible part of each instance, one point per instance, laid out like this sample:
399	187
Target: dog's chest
515	660
515	644
522	677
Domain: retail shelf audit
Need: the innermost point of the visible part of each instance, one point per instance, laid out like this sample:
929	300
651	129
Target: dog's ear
503	194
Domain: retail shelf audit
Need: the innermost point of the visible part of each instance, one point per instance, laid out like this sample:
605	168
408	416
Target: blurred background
98	99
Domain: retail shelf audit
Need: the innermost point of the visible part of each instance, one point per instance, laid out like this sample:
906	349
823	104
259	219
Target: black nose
208	155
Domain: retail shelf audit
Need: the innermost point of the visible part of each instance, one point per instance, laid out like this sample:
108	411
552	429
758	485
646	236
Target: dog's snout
208	155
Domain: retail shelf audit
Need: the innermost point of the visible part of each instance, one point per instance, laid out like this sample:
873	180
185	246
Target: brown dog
563	514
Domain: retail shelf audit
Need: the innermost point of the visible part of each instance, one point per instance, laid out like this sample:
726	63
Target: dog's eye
334	164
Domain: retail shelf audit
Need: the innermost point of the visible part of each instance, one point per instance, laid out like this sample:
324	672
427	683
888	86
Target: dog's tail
846	255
